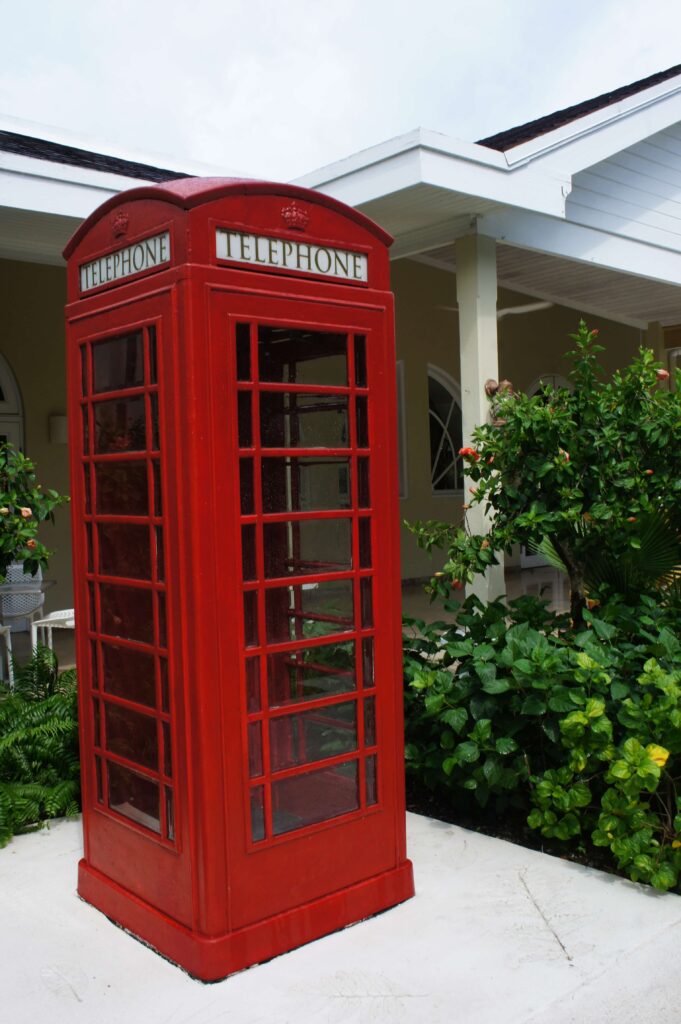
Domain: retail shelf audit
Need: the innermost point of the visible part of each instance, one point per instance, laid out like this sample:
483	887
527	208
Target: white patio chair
6	634
64	619
21	597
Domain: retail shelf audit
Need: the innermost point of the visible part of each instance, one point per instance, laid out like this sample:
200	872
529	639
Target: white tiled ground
495	935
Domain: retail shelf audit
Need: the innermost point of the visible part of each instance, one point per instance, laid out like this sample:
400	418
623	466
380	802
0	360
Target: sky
276	89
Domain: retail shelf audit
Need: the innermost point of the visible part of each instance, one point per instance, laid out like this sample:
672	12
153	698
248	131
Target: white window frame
11	406
454	389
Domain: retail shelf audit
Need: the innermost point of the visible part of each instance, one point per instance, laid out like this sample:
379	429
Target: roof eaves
55	152
521	134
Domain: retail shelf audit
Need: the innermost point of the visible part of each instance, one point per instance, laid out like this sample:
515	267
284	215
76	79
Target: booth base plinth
211	959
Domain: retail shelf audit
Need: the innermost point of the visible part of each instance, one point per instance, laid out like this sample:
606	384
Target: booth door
312	803
120	380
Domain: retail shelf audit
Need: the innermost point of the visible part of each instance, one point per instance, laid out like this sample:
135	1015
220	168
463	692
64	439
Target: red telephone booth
236	563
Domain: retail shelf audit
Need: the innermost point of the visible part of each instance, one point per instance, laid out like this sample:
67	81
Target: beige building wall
32	341
530	345
32	299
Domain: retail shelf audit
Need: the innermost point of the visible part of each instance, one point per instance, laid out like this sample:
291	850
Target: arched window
554	379
446	432
11	409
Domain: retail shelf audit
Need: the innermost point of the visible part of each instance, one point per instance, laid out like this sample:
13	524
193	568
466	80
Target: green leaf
455	718
532	705
505	745
467	753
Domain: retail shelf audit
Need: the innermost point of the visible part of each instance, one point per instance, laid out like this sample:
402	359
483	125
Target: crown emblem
295	217
119	224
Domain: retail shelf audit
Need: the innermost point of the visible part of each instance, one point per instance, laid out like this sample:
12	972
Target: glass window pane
301	611
252	685
248	561
246	486
363	492
86	429
83	370
362	415
251	618
165	690
245	407
303	421
122	488
170	814
134	796
311	672
365	594
314	796
312	735
368	662
254	749
370	722
167	750
162	632
153	409
305	484
365	543
160	560
360	361
158	489
153	358
371	781
257	814
128	673
131	735
311	546
243	352
120	425
118	362
127	612
124	550
287	355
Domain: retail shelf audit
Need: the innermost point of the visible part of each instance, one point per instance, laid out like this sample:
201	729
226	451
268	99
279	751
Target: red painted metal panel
236	561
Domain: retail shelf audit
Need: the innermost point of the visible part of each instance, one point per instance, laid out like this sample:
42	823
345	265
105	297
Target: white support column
476	289
655	340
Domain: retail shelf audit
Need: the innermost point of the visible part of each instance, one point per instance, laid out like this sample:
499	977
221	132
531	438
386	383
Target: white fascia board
44	187
428	157
585	245
595	137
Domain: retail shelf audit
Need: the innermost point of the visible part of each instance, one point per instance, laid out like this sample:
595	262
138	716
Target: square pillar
476	289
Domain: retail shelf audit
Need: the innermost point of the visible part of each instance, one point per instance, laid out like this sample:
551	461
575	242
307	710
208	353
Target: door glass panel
134	796
303	421
124	550
311	672
120	425
314	796
127	612
122	488
128	673
118	362
290	356
313	735
310	546
308	610
132	735
305	484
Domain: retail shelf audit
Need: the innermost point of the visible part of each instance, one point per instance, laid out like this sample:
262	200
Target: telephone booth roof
187	193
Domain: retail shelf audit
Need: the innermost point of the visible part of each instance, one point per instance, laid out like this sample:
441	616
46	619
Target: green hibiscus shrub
577	729
24	505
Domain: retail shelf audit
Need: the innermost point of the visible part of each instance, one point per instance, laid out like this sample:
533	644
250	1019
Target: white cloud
276	89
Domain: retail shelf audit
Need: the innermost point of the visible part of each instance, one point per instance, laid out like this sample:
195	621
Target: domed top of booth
187	193
228	224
